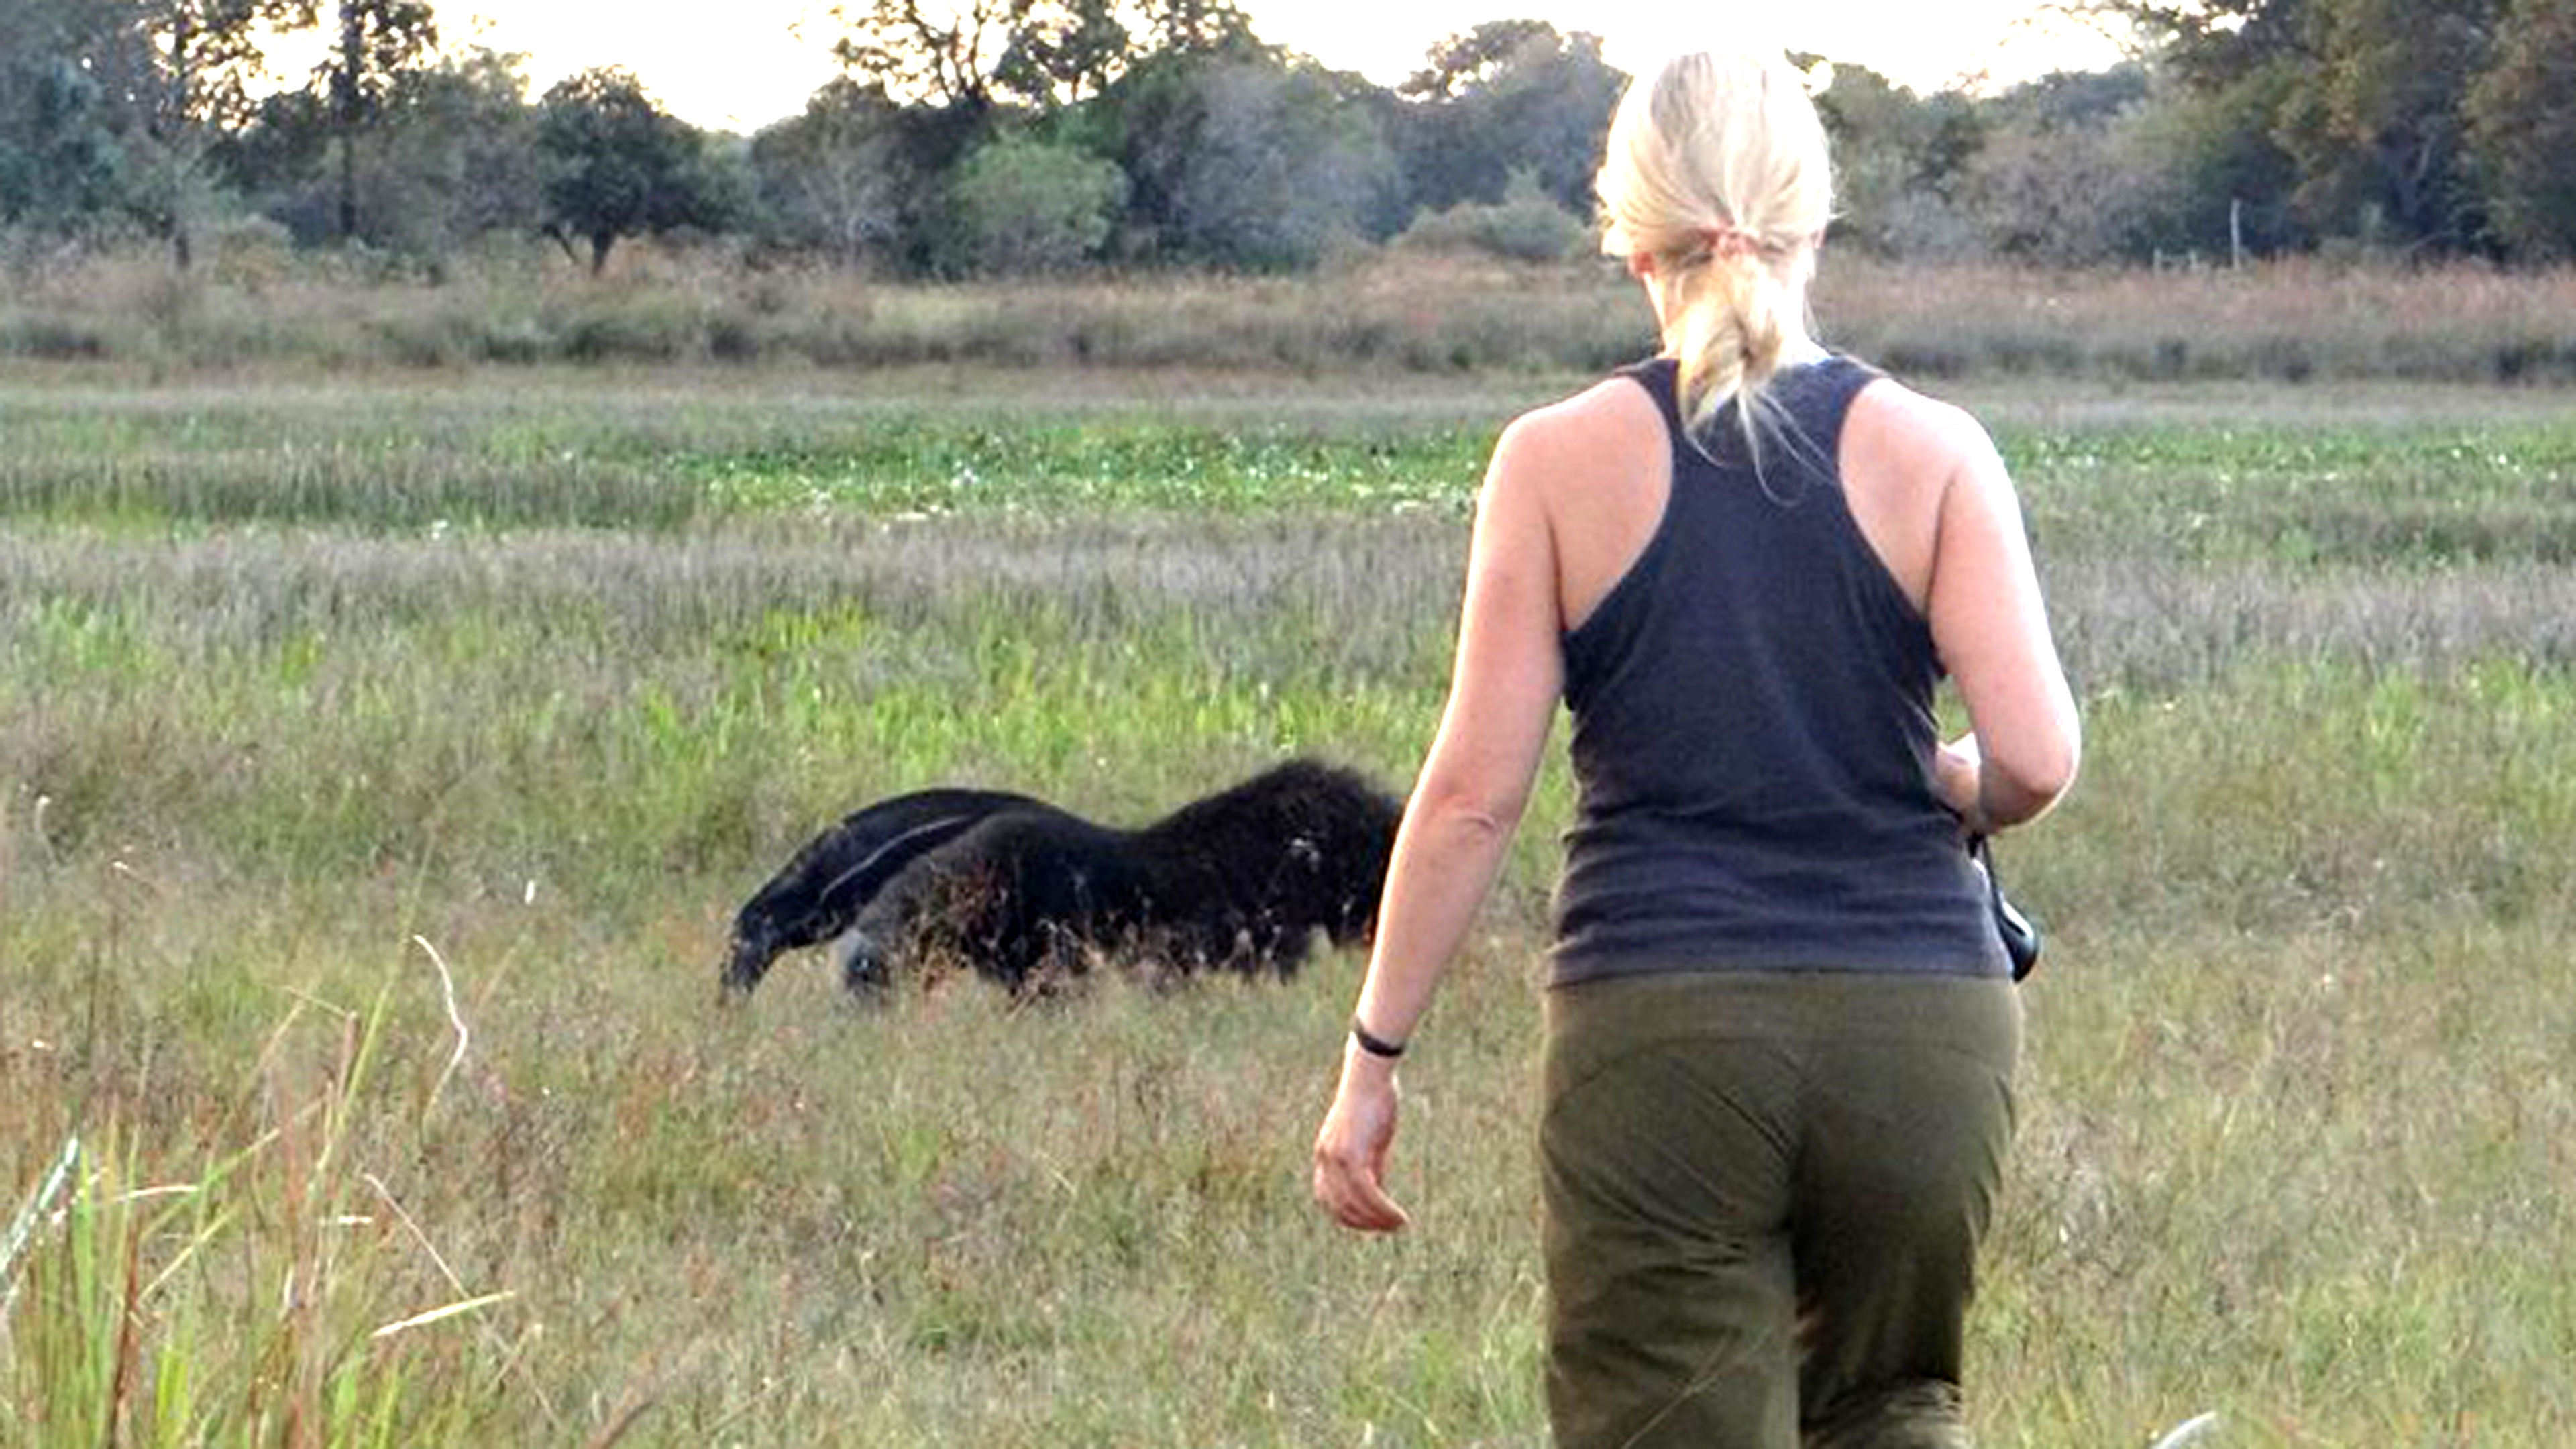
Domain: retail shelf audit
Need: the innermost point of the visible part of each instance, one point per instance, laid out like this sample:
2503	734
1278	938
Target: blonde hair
1716	172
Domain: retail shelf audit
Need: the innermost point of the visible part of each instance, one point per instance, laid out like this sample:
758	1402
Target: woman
1780	1028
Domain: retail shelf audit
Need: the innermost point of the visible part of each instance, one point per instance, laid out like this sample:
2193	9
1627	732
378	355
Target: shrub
1031	206
1525	226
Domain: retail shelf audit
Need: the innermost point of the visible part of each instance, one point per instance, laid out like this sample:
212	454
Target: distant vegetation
1048	137
1406	309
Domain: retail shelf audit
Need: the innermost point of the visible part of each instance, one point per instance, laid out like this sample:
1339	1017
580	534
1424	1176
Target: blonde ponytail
1717	172
1729	334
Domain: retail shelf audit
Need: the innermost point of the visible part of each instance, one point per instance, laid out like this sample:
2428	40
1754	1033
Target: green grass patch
2357	494
919	465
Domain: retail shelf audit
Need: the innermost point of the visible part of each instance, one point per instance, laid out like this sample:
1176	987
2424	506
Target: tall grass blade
23	1226
2190	1431
437	1315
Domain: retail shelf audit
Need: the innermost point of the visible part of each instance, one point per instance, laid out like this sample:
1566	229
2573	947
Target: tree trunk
600	242
348	188
353	55
183	38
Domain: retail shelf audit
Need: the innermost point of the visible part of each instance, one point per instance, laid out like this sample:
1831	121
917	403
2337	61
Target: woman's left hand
1957	770
1351	1146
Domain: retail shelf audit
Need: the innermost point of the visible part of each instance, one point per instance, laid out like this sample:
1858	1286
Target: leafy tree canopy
617	164
2522	120
983	53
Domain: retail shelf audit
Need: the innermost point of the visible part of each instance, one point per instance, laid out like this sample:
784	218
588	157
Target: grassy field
382	755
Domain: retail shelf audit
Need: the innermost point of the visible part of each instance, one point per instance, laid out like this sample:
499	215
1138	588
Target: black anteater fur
1027	894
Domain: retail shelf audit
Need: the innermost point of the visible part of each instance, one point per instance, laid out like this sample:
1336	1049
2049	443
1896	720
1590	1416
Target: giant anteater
1026	893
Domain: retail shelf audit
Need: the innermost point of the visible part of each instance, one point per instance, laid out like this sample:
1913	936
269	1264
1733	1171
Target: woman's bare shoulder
1893	424
1602	425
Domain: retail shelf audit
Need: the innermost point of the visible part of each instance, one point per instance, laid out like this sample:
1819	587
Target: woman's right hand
1351	1146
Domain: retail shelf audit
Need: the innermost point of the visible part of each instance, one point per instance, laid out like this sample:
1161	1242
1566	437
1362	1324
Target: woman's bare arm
1991	627
1474	783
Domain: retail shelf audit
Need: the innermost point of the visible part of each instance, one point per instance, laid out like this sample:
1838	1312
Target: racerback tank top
1753	727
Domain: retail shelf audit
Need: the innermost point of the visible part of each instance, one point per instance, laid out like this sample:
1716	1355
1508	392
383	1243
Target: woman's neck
1796	346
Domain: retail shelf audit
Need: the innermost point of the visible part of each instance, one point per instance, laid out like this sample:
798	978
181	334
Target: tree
2364	100
2232	68
2522	129
616	164
1511	97
2070	172
1473	58
979	54
1900	160
835	177
2379	130
2231	180
1061	54
941	59
1080	73
114	104
60	167
1254	162
944	54
2214	44
381	41
279	163
453	157
63	165
1197	27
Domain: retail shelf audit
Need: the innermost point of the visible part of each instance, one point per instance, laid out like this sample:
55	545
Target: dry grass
1397	312
2289	321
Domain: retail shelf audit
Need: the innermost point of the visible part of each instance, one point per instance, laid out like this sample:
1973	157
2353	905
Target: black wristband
1373	1044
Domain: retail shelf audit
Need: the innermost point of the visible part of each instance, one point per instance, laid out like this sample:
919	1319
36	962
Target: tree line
1046	136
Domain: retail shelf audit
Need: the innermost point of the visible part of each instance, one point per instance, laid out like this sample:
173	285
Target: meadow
383	751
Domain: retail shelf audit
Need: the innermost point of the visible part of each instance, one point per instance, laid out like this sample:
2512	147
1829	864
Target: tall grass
231	1305
1397	312
362	886
2291	321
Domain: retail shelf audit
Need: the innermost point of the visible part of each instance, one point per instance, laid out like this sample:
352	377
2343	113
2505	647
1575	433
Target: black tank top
1753	728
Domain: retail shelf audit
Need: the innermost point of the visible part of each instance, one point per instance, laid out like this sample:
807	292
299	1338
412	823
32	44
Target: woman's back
1751	684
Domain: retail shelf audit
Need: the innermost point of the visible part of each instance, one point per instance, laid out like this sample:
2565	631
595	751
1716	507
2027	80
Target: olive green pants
1764	1194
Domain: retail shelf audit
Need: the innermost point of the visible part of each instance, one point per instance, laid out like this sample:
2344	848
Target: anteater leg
865	972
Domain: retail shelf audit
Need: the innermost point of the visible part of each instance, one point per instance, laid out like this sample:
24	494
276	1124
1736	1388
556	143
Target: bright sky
747	69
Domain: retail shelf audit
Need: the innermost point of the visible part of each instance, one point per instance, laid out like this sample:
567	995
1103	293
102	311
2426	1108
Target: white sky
736	65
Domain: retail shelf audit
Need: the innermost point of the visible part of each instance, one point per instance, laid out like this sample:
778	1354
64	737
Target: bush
1525	226
252	253
1030	206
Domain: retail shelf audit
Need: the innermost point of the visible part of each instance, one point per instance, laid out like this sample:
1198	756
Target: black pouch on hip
2020	933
